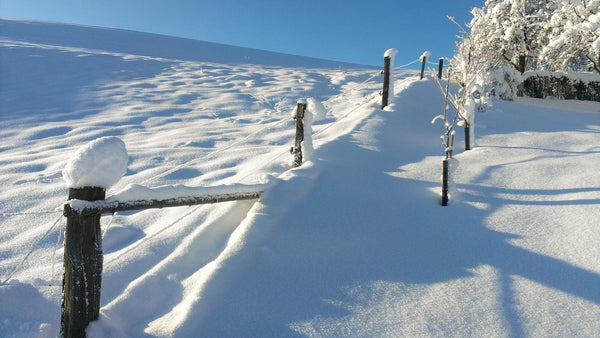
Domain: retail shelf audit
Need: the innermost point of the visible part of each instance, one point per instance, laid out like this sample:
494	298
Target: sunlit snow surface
353	243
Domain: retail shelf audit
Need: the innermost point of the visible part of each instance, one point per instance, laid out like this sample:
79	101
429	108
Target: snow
317	109
351	243
100	163
136	192
585	77
391	53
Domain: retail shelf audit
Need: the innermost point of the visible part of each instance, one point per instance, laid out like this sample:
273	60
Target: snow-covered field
352	243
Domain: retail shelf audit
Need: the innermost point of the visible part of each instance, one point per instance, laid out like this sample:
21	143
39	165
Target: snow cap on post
390	53
388	75
316	109
295	111
100	163
426	54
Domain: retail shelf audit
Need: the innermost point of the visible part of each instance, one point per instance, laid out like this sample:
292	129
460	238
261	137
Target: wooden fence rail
109	207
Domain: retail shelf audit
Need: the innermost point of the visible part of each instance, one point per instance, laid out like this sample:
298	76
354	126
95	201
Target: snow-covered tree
513	31
574	36
506	38
468	69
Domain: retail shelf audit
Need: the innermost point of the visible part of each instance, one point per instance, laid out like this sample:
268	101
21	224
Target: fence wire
241	141
16	268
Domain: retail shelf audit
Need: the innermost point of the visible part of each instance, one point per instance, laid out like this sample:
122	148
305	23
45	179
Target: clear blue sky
356	31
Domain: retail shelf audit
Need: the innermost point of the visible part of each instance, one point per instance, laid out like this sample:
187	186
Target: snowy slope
353	243
152	45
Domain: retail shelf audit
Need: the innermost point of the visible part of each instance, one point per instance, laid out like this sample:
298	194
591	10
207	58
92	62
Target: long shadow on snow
356	224
23	308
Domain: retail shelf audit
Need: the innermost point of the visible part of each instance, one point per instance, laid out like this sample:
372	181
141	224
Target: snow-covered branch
137	197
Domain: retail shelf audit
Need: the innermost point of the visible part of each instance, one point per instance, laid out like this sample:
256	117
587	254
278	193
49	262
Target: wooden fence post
445	181
82	267
386	81
467	136
440	68
300	108
424	59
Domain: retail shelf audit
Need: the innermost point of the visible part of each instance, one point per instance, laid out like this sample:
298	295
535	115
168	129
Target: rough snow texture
100	163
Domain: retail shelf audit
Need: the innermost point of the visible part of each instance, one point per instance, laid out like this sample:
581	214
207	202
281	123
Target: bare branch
596	65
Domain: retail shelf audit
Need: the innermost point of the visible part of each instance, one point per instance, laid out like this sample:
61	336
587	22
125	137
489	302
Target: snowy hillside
352	243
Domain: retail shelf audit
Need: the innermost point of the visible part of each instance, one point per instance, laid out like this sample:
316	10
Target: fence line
368	99
81	290
30	213
408	64
83	261
60	231
137	244
83	252
238	142
31	251
214	152
180	166
105	207
364	82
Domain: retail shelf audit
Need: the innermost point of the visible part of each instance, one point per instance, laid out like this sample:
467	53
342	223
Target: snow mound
100	163
317	109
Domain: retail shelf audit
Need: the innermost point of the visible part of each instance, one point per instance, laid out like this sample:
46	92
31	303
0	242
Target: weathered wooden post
451	148
467	136
440	67
423	58
446	167
82	267
388	87
297	150
88	173
386	81
445	163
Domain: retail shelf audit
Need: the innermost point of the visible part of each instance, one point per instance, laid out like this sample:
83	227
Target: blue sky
356	31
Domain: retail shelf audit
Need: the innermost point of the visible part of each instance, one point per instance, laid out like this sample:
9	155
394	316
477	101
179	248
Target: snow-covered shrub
517	36
502	82
561	85
471	72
